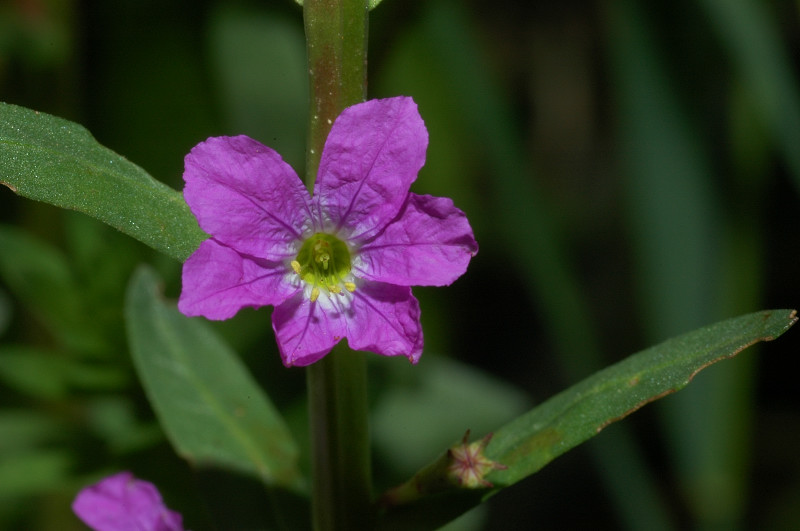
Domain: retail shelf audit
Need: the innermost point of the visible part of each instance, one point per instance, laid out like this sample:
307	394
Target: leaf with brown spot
528	443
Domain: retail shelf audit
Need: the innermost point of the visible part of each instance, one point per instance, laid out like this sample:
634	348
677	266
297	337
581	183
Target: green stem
341	489
336	41
336	37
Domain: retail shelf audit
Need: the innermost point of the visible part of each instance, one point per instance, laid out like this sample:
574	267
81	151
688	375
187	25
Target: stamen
323	263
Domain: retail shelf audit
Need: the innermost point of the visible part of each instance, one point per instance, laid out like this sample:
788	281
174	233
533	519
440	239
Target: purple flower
338	264
123	503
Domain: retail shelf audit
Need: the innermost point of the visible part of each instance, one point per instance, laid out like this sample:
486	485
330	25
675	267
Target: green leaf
50	375
33	458
34	472
24	429
528	443
114	420
212	410
41	278
59	162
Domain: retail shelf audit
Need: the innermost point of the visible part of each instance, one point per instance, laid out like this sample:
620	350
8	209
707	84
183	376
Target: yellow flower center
324	263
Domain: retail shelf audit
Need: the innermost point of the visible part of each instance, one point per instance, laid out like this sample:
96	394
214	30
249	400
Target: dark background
631	170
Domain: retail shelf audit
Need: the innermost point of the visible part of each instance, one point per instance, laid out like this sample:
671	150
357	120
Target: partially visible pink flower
123	503
335	265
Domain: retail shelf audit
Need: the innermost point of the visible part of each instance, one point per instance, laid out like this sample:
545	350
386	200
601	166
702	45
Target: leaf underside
577	414
211	408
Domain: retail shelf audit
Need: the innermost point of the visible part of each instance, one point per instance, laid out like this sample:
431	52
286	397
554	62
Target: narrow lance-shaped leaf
528	443
212	410
56	161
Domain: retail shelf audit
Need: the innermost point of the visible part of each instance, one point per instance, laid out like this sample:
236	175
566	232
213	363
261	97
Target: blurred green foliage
630	169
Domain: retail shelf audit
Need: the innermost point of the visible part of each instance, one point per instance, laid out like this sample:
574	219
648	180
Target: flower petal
372	155
123	503
244	195
377	317
429	244
306	331
385	319
218	282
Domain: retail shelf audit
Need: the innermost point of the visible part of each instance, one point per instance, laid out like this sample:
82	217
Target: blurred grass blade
212	410
441	61
752	37
678	233
59	162
49	375
40	276
579	413
248	46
